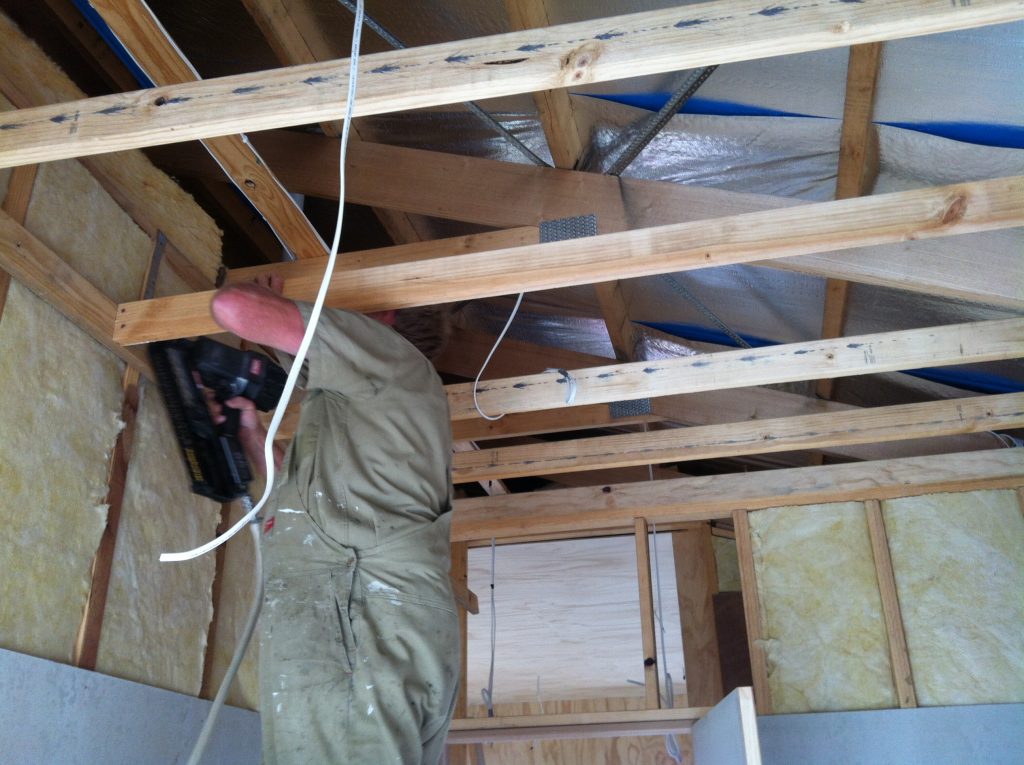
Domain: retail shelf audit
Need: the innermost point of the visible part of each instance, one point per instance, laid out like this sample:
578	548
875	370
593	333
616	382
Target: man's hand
257	311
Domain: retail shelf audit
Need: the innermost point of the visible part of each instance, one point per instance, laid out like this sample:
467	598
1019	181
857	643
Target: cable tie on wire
570	395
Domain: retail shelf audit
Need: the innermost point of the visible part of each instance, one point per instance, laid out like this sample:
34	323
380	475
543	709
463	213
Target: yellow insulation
824	633
959	566
158	614
63	400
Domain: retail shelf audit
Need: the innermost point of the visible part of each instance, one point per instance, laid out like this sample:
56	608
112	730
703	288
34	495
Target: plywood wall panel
62	400
821	612
158	613
959	566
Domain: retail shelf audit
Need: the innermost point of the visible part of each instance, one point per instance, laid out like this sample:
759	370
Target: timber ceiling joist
520	62
923	213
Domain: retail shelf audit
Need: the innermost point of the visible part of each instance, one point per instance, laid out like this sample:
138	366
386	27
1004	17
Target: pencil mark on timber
11	126
504	62
773	11
701	364
531	47
955	210
609	35
690	23
855	345
457	59
520	386
748	358
247	89
178	100
801	352
318	79
386	68
651	370
60	118
605	375
852	1
112	110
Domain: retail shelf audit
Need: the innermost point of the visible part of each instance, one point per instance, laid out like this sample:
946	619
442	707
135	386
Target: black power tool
213	455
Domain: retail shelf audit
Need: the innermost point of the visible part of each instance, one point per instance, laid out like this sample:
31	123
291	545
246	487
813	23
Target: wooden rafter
887	423
922	213
151	47
858	168
571	54
612	509
504	194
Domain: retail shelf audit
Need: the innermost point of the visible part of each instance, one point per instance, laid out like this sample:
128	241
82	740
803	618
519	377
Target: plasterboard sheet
821	612
63	396
72	214
959	565
163	608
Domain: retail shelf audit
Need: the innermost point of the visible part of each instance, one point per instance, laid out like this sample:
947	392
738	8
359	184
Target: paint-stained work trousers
359	656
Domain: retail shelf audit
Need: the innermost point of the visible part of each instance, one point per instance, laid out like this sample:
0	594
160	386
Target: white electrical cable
300	356
487	361
236	660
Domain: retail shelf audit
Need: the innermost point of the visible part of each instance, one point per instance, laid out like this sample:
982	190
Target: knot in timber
577	63
956	209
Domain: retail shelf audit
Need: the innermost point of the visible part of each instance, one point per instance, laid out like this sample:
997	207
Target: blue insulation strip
979	133
979	382
110	38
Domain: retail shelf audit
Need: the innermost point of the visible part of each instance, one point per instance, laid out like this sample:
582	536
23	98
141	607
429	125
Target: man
359	657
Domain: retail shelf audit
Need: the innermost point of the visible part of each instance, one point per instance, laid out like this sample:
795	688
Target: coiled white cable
476	382
300	356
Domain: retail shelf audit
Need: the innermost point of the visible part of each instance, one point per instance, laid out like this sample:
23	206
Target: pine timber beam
816	431
580	725
856	173
841	357
825	226
42	271
571	54
613	509
155	202
505	194
696	586
296	37
153	50
565	140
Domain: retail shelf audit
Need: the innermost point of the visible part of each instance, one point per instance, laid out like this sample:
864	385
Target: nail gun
213	455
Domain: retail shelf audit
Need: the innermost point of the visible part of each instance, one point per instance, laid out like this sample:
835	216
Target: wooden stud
572	54
888	423
87	642
492	486
899	657
752	611
148	43
613	508
1020	499
505	194
696	584
15	204
460	575
652	694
